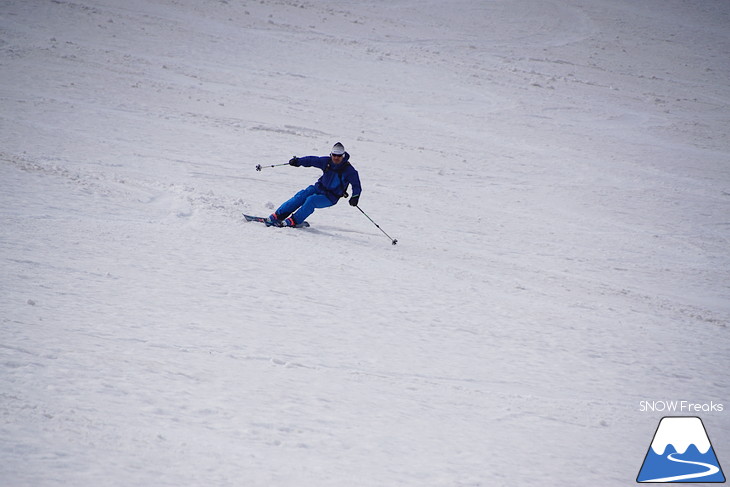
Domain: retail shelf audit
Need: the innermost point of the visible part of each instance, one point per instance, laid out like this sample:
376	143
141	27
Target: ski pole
259	166
392	240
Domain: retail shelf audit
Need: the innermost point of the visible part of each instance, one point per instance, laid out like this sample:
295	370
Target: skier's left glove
294	161
354	200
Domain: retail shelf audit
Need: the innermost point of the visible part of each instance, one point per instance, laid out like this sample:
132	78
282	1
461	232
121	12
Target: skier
337	175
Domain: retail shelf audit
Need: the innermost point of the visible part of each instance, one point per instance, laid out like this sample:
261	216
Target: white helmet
338	149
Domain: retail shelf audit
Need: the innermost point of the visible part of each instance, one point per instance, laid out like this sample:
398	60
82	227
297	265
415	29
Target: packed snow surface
556	173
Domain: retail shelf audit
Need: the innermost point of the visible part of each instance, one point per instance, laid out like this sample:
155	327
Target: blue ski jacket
335	177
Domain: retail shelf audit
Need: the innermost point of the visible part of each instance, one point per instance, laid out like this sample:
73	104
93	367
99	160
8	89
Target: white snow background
556	173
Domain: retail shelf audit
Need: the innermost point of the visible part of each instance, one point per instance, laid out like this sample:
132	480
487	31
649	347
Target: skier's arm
356	188
311	161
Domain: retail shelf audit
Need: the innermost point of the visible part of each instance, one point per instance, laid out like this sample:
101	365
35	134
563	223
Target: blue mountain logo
681	452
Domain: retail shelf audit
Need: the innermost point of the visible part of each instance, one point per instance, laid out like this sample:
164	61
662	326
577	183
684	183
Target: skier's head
338	153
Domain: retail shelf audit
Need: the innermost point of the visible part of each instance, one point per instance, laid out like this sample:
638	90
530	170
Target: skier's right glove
294	161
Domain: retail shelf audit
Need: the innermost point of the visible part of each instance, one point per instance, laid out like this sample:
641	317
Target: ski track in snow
555	173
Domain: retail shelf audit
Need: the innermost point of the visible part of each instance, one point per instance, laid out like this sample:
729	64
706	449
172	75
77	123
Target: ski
266	222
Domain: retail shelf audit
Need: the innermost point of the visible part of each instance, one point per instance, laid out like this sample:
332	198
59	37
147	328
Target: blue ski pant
306	200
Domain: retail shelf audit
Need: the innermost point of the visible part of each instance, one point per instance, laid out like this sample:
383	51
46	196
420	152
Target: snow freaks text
680	407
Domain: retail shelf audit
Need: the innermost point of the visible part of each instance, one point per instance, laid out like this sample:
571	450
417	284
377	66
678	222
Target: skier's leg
310	204
290	205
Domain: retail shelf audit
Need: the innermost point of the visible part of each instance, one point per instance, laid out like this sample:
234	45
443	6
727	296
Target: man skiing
337	175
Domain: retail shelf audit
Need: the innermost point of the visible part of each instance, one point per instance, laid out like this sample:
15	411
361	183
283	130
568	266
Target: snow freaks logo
681	452
680	407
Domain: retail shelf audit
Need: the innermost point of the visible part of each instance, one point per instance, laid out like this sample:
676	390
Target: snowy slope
556	174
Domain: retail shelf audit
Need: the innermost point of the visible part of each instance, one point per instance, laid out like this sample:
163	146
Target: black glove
354	200
294	161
